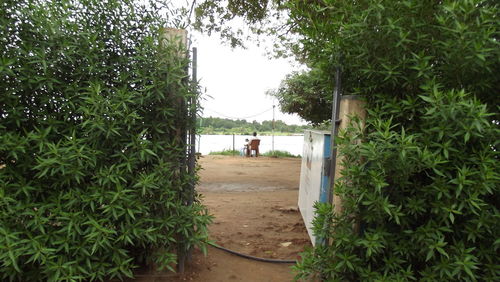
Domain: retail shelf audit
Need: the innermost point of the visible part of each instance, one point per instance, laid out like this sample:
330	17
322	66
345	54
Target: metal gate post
192	131
337	94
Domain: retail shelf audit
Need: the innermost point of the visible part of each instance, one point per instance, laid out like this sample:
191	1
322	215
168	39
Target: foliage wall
392	47
422	187
91	118
419	204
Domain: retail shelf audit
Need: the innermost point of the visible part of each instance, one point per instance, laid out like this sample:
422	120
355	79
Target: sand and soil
254	201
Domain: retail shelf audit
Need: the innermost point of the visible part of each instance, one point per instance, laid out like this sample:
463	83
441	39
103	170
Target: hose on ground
249	256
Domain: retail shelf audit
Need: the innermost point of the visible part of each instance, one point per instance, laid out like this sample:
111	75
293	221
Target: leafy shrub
92	182
280	154
391	47
424	205
306	93
226	152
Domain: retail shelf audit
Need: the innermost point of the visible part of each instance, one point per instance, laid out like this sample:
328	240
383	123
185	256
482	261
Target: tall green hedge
422	179
420	205
92	182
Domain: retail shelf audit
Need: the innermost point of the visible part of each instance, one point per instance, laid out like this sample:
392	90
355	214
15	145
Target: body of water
213	143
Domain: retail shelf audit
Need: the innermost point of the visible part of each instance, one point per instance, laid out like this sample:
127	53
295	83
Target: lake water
213	143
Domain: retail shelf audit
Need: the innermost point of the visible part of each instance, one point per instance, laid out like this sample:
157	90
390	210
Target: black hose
249	256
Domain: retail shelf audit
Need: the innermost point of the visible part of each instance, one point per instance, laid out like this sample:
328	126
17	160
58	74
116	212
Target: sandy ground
254	201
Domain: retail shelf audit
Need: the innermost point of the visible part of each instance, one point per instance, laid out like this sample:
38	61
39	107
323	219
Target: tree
393	47
213	16
213	124
307	93
390	47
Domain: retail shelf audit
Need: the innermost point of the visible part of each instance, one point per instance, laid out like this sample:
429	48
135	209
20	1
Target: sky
236	80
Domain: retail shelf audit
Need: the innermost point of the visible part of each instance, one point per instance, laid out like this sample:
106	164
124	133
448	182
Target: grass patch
226	152
280	154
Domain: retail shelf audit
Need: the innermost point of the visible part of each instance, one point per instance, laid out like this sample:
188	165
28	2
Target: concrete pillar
175	36
350	105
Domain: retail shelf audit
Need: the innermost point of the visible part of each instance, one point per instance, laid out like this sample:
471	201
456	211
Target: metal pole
199	141
273	130
337	93
191	151
199	135
192	133
233	146
333	151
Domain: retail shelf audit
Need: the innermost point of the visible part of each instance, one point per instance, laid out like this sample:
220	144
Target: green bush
391	47
226	152
424	205
280	154
92	182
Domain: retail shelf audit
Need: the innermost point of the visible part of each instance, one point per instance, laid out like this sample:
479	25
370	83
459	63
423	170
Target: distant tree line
215	125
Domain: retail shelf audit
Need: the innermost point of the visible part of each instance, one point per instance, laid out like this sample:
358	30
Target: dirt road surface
254	201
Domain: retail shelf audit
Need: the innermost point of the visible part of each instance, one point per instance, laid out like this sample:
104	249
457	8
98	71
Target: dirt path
254	201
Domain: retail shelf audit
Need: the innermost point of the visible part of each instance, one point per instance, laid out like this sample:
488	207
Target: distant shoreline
250	133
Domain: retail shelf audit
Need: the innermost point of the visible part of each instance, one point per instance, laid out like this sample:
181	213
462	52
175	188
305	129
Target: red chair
253	147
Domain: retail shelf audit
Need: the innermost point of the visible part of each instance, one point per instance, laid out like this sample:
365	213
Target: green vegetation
91	184
389	49
214	125
307	94
425	201
226	152
422	186
424	183
273	154
91	176
280	154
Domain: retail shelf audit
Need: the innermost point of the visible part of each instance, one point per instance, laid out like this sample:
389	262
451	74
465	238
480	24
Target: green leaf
151	152
13	261
426	98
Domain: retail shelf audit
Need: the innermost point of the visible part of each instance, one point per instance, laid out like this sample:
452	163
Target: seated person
244	150
249	149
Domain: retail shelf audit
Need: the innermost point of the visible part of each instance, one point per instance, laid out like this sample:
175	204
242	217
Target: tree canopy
307	94
394	47
213	16
390	47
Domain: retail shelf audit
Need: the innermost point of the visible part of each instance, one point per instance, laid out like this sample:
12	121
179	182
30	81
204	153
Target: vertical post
199	142
273	131
178	38
192	135
199	135
337	93
234	149
193	108
350	105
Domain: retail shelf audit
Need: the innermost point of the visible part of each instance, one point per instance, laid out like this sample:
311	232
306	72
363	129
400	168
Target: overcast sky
236	80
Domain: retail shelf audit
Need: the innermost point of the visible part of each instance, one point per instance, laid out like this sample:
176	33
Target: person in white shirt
247	146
